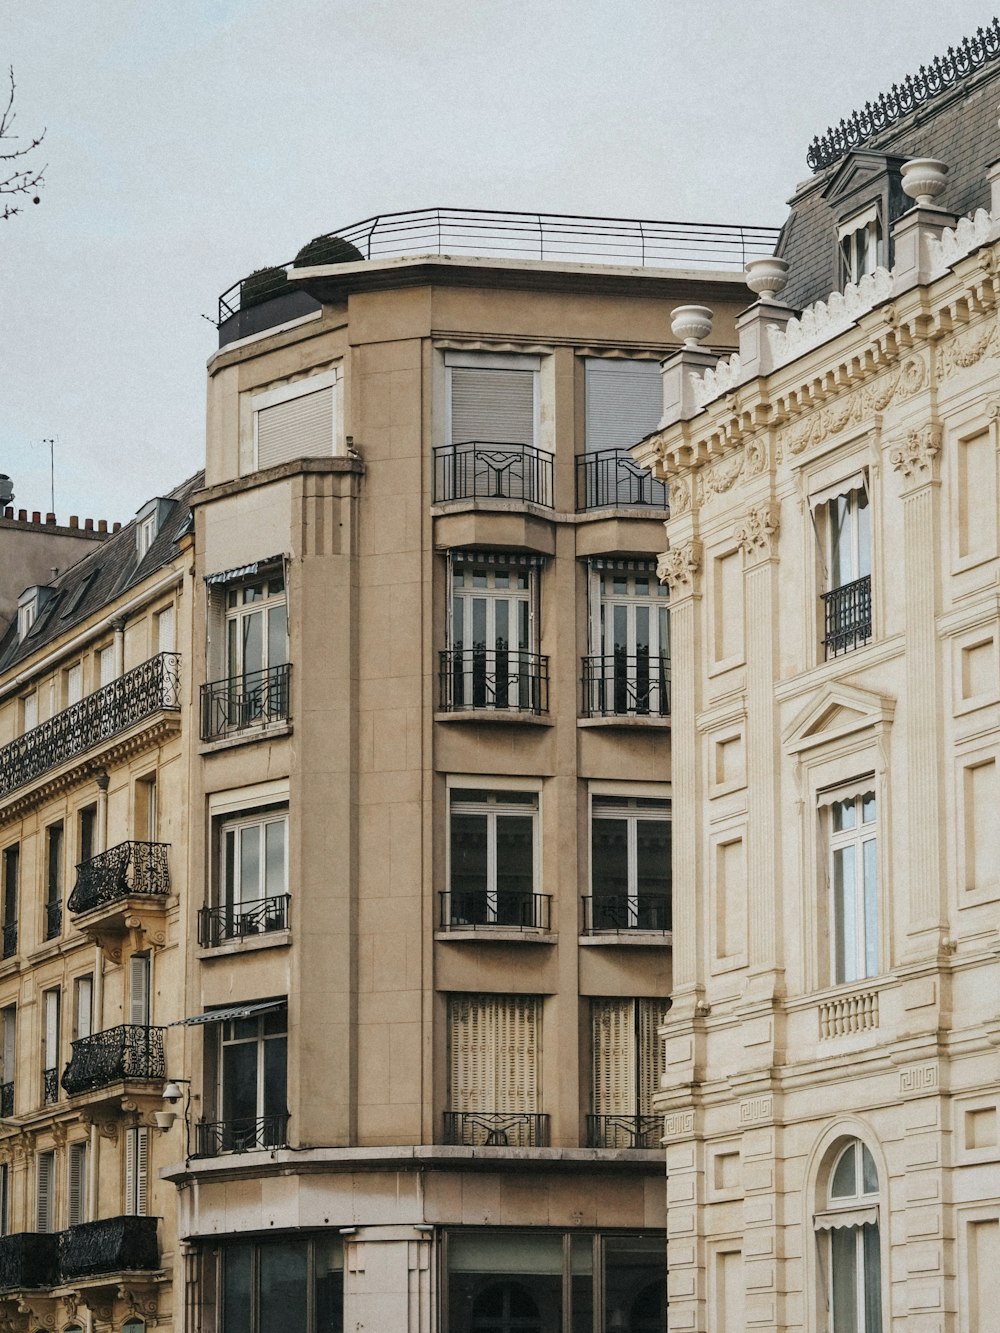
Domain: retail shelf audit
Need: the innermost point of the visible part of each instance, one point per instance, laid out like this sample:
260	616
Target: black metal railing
129	1051
238	921
29	1261
111	1245
478	908
496	1129
240	1135
7	1098
611	477
496	679
619	685
10	939
848	616
50	1086
619	911
487	470
131	867
147	689
624	1131
53	920
239	703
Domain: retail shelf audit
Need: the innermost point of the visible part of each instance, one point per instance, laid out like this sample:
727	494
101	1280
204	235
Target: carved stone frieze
966	348
681	487
915	456
678	565
757	535
854	409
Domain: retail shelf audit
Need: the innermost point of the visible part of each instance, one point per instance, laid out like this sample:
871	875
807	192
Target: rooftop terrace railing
552	237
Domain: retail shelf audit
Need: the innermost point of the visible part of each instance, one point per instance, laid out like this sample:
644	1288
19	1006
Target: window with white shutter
4	1199
45	1168
491	405
624	402
139	989
301	420
136	1170
494	1057
50	1047
77	1184
84	1006
626	1064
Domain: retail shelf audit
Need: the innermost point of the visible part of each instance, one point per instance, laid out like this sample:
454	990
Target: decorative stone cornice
916	454
855	409
757	535
966	348
678	565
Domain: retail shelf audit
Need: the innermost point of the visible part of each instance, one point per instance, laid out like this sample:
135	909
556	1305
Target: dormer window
29	606
148	522
25	619
861	245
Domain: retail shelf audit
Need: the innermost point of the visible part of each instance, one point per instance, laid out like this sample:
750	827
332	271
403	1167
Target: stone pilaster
686	1278
389	1279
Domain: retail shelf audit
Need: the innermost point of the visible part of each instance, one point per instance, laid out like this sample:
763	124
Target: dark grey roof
958	126
101	576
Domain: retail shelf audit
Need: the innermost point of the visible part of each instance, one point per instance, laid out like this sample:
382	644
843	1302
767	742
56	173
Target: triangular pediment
858	171
834	711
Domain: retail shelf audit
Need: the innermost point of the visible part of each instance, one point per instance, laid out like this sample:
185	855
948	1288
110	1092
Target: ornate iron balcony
497	679
7	1098
488	470
608	478
10	939
619	911
848	616
125	1052
131	867
50	1086
239	921
624	1131
617	685
29	1261
150	688
496	1129
240	703
112	1245
480	909
240	1135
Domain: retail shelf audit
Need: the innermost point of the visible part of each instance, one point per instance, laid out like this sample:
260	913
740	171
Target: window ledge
624	720
269	733
483	504
656	939
659	513
496	935
489	715
272	939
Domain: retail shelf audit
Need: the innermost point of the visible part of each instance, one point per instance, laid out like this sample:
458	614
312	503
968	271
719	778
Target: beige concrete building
428	946
831	1090
93	786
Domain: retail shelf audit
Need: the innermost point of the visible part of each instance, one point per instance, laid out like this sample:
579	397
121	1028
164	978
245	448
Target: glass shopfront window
281	1283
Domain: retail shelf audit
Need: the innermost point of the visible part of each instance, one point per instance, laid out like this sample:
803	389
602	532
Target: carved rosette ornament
917	453
677	566
757	535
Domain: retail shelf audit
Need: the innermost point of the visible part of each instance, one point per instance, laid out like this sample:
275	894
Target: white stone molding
725	376
957	242
757	535
917	453
858	408
677	566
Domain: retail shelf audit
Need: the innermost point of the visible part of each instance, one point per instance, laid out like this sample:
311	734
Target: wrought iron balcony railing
496	1129
50	1086
624	1131
618	685
10	939
492	470
131	867
111	1245
125	1052
240	1135
607	478
149	688
240	921
482	909
848	616
619	911
240	703
53	920
6	1099
499	680
29	1261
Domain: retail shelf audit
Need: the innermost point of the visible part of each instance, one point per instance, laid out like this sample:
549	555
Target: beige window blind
627	1055
492	405
300	427
493	1052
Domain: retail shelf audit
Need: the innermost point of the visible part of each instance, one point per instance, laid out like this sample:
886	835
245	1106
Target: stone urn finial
924	178
691	323
767	276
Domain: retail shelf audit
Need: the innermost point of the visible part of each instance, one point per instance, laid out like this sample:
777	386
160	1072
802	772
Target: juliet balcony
128	879
496	1129
245	704
492	470
138	696
240	1134
505	681
231	922
620	912
624	1131
103	1062
110	1245
481	910
611	479
29	1261
847	616
618	685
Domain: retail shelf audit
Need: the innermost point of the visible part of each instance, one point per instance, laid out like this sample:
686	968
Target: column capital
916	455
677	566
757	535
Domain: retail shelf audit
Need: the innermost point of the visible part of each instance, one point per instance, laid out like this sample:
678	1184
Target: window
847	554
8	1049
624	402
4	1199
492	860
26	618
853	888
145	809
145	533
301	420
849	1243
861	245
74	684
29	711
83	1006
105	665
630	844
166	632
628	670
262	1285
53	880
491	661
87	833
252	1097
255	688
77	1184
626	1063
50	1046
11	870
252	879
493	1062
45	1180
140	989
136	1170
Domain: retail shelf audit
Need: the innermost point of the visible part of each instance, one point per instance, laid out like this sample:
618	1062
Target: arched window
133	1326
505	1307
848	1234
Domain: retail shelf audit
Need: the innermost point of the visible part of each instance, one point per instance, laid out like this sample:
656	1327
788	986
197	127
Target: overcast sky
192	141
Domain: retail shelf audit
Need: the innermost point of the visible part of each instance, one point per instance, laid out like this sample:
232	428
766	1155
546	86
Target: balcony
119	873
611	479
112	1245
243	1134
613	912
618	685
53	920
495	680
7	1099
847	616
50	1086
29	1261
624	1131
496	1129
120	1054
10	939
242	921
241	704
488	470
481	910
150	688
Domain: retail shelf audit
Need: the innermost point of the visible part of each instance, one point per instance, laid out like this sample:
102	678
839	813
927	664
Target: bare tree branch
23	177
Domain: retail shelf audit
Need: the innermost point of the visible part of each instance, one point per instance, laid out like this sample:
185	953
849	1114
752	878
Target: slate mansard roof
100	577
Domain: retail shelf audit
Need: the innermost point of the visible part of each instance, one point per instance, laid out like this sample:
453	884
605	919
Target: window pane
840	542
274	858
864	521
253	642
868	808
845	1178
844	916
498	1284
514	855
871	908
873	1279
236	1295
283	1287
609	857
239	1081
869	1175
329	1285
468	853
844	815
582	1296
844	1279
653	856
635	1279
277	636
250	863
275	1076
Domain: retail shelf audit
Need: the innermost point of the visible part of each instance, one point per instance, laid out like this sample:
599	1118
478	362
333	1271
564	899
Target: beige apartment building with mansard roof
428	947
832	1078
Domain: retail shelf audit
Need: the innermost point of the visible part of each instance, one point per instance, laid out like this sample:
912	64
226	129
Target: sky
191	142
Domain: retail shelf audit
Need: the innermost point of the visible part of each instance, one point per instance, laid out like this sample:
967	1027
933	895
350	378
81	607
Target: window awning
863	785
846	1217
480	557
232	1011
857	481
623	565
243	571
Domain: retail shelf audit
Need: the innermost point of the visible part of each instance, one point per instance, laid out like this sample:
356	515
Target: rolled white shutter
77	1183
493	1053
300	427
624	402
136	1170
652	1059
44	1202
492	405
138	996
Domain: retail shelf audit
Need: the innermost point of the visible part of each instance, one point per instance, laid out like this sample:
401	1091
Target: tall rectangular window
4	1199
300	420
29	711
251	881
45	1183
83	1006
106	665
847	544
862	248
11	874
53	880
628	670
50	1045
78	1194
74	684
252	1097
146	813
8	1049
493	1063
630	877
136	1171
254	688
492	856
87	833
626	1064
140	969
624	402
854	888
